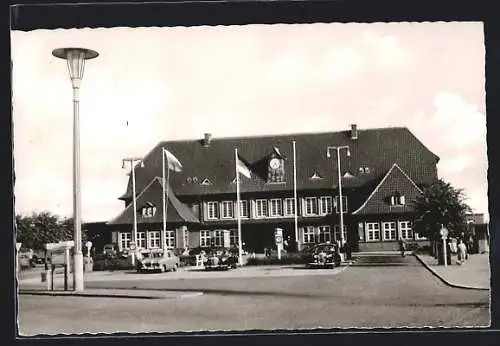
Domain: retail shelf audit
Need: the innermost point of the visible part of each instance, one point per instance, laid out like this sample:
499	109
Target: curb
446	282
105	295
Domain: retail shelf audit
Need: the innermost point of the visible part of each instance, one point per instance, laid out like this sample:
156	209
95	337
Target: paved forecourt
405	295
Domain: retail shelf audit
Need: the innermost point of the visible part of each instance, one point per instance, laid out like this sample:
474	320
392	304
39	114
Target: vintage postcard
252	177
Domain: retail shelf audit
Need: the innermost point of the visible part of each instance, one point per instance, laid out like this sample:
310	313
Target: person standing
462	251
402	247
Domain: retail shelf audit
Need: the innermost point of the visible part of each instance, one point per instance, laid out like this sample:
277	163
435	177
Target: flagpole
240	250
163	199
295	196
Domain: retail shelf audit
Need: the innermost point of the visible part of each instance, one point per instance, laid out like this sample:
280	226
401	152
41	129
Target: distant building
387	168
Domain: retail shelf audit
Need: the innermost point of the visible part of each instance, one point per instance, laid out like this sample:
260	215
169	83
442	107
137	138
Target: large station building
386	169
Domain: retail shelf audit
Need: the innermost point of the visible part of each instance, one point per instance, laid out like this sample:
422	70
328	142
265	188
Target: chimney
354	131
207	139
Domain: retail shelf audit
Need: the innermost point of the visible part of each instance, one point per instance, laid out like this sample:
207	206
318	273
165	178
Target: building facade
381	173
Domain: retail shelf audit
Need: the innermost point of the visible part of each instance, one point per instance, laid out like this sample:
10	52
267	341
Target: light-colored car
157	260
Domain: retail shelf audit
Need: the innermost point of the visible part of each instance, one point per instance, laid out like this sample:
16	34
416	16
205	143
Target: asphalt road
380	291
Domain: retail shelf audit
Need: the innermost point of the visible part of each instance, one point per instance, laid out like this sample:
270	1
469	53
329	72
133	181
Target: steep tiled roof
376	149
395	181
177	212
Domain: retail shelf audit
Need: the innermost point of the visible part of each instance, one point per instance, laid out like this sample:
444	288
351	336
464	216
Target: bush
112	264
288	259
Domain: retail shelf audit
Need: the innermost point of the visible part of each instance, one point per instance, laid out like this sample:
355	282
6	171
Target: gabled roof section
394	181
151	195
375	148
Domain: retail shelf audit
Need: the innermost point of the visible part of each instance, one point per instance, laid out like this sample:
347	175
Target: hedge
112	264
287	259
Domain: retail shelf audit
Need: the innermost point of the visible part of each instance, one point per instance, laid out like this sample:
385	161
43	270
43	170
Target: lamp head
328	153
348	152
75	58
142	164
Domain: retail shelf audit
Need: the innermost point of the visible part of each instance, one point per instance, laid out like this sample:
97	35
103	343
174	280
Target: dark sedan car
220	260
325	255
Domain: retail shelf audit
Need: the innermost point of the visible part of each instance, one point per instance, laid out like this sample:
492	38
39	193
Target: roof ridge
253	136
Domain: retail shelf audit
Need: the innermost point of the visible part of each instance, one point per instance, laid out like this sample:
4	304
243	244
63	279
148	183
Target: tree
38	229
439	205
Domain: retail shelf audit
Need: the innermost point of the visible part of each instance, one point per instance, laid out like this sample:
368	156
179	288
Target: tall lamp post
75	58
133	161
338	149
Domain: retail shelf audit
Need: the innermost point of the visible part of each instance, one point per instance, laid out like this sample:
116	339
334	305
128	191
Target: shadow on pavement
229	292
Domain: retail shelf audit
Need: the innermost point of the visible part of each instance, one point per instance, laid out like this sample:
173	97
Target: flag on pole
173	163
295	206
242	168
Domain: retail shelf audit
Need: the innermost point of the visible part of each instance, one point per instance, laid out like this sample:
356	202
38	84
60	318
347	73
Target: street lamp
132	161
75	58
338	149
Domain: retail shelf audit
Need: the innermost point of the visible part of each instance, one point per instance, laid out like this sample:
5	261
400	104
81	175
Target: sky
154	84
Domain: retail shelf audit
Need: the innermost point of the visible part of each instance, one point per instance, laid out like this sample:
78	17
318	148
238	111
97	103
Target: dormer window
189	180
364	169
206	182
397	199
348	175
315	176
195	180
148	211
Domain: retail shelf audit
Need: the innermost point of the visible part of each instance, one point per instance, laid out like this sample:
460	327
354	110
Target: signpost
278	239
444	235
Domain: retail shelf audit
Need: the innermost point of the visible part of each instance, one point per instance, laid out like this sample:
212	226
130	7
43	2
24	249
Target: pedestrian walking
402	247
462	251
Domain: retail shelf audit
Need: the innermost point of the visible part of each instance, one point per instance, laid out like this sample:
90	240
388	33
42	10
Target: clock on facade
274	163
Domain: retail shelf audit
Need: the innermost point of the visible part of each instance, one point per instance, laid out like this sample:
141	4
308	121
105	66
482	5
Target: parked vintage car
324	255
220	260
157	260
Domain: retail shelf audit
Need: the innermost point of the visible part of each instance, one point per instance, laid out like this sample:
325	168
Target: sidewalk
473	274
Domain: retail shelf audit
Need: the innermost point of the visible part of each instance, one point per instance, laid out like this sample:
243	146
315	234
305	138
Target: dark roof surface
177	212
376	149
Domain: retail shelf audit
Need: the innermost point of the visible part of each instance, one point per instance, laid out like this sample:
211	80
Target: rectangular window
311	206
275	207
308	234
212	211
261	208
337	235
344	204
227	210
233	235
154	239
141	240
389	229
125	239
204	238
218	238
325	234
170	239
372	231
325	205
289	207
405	229
244	209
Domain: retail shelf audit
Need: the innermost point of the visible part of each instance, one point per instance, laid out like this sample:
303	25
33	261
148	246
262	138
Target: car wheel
174	268
163	269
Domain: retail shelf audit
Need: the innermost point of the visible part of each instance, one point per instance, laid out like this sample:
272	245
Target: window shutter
402	200
392	200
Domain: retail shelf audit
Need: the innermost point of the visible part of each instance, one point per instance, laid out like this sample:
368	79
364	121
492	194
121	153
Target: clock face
274	163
